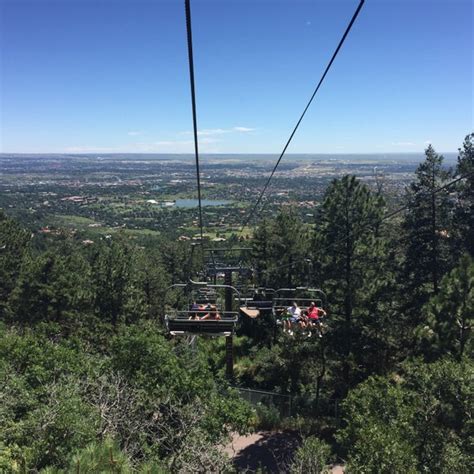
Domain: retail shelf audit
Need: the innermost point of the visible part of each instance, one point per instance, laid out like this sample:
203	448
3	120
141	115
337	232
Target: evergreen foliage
427	226
312	457
449	315
464	211
417	423
91	382
347	251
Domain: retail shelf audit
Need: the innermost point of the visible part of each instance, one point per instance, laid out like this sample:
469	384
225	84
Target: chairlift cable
341	42
193	102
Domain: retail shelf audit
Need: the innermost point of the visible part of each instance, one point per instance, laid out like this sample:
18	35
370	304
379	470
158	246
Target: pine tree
279	250
261	252
289	247
345	247
450	315
51	287
464	213
111	269
427	229
13	246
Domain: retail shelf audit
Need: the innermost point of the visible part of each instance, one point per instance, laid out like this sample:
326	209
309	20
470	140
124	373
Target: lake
204	202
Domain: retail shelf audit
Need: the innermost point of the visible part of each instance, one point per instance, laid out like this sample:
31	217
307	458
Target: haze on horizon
112	76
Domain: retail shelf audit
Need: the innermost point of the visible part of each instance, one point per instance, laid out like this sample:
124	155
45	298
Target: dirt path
271	451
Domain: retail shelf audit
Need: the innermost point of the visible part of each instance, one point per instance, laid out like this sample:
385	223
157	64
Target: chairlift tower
226	262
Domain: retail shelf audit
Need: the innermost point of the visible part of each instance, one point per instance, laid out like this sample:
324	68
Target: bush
268	417
312	457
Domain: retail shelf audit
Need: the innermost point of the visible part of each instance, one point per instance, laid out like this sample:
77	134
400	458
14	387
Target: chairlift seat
253	309
180	324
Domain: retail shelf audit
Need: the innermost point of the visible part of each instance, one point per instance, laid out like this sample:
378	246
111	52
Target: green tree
51	287
464	211
345	248
111	273
312	457
13	246
261	252
418	421
427	229
449	315
279	250
104	457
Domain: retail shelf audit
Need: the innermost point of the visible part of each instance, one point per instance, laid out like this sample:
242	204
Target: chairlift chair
259	303
302	296
185	321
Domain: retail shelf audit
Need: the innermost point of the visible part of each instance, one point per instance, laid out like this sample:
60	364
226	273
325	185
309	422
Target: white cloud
209	132
207	140
206	145
91	149
402	144
212	131
168	143
427	142
243	129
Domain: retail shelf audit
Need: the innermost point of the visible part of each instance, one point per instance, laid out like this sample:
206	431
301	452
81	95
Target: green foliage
51	287
11	459
348	249
427	228
89	380
148	361
279	248
379	449
101	457
42	410
312	457
13	246
412	423
111	267
53	430
226	409
464	210
105	457
450	315
268	417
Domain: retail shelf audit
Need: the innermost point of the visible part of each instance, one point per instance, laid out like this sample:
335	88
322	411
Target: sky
105	76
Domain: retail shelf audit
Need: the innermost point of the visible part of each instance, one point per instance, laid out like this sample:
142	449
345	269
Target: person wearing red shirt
314	315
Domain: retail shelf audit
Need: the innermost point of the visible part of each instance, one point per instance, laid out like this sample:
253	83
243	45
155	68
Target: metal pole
229	346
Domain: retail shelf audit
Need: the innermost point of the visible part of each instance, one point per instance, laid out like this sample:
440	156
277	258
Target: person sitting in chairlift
314	316
212	313
195	310
293	315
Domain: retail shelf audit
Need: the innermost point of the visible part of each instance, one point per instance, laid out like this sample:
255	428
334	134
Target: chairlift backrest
302	296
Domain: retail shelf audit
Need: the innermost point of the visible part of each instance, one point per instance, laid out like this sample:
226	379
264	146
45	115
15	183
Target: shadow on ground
273	453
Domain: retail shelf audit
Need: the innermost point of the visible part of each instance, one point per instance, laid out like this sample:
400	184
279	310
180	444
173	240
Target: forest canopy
91	381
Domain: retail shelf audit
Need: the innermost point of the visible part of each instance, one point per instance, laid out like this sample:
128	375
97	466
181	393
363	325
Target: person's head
295	305
312	305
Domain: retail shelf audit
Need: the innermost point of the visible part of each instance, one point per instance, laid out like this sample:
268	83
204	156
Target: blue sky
112	75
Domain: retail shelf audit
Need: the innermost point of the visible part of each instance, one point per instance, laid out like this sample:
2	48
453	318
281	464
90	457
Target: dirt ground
271	451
